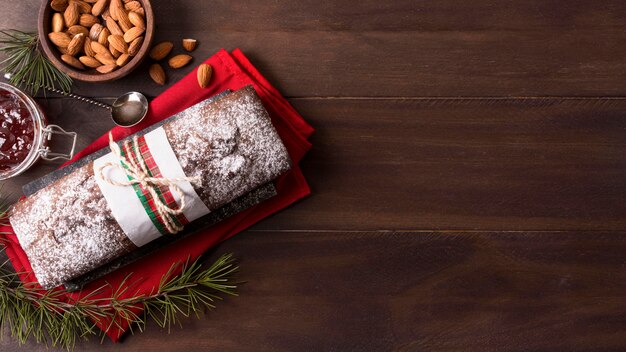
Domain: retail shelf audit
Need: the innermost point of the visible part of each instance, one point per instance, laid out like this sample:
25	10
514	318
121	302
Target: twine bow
138	174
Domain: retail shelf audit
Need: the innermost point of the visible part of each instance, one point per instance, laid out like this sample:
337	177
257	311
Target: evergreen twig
46	317
27	64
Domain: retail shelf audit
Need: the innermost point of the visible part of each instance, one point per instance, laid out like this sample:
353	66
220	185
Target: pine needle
29	313
26	63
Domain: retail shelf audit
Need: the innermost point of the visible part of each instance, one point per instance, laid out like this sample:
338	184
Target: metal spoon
126	111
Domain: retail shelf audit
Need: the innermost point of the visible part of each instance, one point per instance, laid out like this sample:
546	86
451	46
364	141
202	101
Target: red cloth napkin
230	71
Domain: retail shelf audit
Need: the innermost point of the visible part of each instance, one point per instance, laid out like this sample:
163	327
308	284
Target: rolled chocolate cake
200	160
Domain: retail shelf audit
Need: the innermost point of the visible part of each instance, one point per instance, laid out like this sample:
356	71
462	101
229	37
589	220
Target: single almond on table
123	60
113	27
107	68
90	61
59	5
72	61
88	20
204	75
133	48
57	22
133	34
88	49
179	61
161	50
98	7
137	20
60	39
76	44
117	41
103	38
71	14
157	74
190	44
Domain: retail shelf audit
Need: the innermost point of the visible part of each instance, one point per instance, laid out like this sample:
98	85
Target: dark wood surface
468	173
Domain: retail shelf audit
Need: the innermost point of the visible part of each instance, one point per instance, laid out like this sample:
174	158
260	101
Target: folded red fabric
230	71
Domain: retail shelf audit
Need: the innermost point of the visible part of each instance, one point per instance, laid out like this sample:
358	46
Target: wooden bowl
91	75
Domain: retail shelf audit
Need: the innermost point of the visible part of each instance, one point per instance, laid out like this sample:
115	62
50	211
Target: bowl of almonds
96	40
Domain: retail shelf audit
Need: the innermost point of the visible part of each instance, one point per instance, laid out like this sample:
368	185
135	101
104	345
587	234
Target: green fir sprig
45	316
28	66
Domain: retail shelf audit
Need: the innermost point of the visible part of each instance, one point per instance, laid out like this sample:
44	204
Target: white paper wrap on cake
126	205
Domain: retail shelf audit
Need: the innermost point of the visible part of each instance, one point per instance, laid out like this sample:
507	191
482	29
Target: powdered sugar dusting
231	145
67	228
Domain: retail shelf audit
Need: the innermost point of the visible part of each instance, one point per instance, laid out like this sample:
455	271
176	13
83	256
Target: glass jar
16	107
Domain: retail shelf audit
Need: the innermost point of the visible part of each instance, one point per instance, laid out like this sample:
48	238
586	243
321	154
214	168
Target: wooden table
468	175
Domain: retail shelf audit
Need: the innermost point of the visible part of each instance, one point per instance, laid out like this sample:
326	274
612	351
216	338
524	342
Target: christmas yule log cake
149	186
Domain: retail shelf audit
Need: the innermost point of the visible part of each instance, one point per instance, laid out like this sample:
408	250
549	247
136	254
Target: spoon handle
77	97
67	94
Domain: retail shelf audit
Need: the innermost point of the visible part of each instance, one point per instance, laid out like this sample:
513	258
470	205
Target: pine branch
27	64
46	317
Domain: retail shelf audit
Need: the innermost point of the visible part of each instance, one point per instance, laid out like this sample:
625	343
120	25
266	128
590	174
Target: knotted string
138	174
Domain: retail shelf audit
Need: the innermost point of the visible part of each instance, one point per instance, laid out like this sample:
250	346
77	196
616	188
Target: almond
72	61
107	68
204	75
94	32
106	59
137	20
141	11
99	48
190	44
161	50
157	74
124	21
76	45
179	61
113	27
103	37
114	52
83	7
132	6
59	5
117	42
88	49
71	14
78	29
123	60
57	22
91	1
106	14
90	61
116	8
133	34
60	39
62	50
88	20
99	7
134	47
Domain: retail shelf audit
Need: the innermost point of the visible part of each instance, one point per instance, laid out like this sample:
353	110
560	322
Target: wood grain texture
467	174
394	291
400	48
506	164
